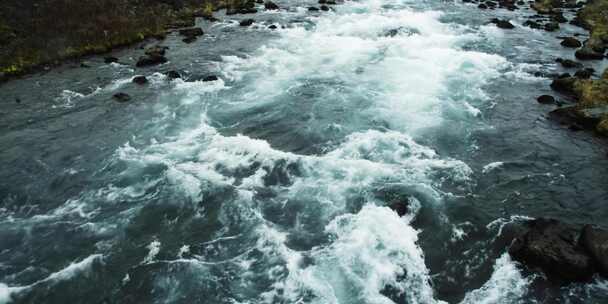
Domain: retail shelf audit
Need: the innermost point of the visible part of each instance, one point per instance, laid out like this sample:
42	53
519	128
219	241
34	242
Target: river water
270	185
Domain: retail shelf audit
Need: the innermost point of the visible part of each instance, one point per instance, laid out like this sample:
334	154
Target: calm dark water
270	184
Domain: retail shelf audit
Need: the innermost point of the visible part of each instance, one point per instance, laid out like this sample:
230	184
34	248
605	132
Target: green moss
594	16
545	6
602	127
73	28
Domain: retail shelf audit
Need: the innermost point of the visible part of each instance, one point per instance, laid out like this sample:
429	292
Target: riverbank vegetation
43	32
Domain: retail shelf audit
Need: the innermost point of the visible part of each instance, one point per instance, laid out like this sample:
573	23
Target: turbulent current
273	183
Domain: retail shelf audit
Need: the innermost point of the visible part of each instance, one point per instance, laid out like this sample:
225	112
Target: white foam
153	250
491	166
506	285
75	268
364	258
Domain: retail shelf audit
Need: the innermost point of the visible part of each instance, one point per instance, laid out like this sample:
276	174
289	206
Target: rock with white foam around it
554	248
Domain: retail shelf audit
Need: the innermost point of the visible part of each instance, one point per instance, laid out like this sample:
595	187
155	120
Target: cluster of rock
155	55
591	95
562	252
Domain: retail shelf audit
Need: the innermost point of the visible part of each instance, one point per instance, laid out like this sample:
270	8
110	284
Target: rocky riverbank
587	88
36	35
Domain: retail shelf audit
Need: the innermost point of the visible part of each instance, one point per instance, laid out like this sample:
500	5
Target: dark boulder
149	60
191	32
121	97
189	40
313	9
141	80
172	74
272	27
401	206
595	241
551	26
110	59
564	85
533	24
503	24
587	53
156	50
324	8
584	73
571	42
210	78
269	5
546	99
553	247
482	6
247	22
569	64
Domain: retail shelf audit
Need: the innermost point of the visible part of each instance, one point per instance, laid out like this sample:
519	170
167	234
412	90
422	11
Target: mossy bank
34	33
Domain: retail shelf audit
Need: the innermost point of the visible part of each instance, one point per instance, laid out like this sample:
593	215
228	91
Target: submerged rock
546	99
569	64
141	80
191	32
595	241
173	74
210	78
503	24
571	42
121	97
247	22
148	60
553	247
587	53
269	5
564	85
110	59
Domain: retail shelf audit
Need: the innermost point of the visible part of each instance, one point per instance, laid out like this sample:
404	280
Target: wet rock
587	53
575	119
401	207
324	8
173	74
156	50
533	24
121	97
269	5
564	85
584	73
191	32
242	7
482	6
503	24
141	80
595	241
571	42
559	18
569	64
551	27
150	60
189	40
210	78
546	99
110	59
247	22
313	9
553	247
272	27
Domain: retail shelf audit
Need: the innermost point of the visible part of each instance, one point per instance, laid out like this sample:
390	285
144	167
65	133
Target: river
270	184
